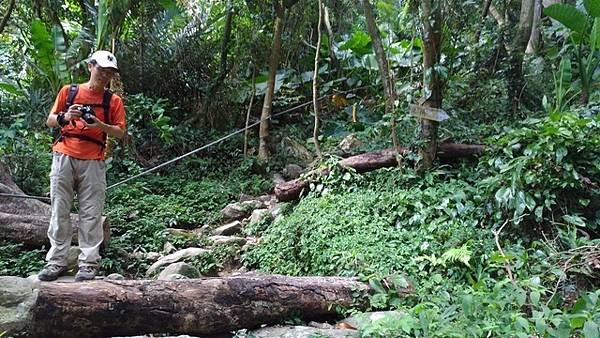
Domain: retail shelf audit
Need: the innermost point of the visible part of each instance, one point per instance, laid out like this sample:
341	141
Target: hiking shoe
86	273
51	272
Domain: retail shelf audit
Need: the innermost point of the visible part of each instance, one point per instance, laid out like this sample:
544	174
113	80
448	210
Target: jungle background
503	245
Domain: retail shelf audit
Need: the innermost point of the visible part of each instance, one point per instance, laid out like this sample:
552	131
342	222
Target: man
78	166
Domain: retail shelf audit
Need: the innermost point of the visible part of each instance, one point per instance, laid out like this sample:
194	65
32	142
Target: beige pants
87	179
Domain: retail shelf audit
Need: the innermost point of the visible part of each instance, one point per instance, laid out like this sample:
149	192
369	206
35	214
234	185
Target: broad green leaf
102	24
595	35
574	220
577	322
43	45
592	7
359	43
535	297
590	329
523	323
7	87
565	74
567	15
503	194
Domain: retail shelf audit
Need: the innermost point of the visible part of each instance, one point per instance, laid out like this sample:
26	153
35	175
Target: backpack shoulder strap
71	97
106	105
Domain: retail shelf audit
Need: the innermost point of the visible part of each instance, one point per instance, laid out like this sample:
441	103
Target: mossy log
194	307
447	152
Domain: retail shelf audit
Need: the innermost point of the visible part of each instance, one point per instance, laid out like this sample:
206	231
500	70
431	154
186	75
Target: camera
86	113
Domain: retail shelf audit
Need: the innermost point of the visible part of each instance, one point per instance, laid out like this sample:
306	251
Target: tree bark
263	146
534	38
193	307
333	61
315	90
447	152
384	72
32	230
6	17
520	30
27	220
432	41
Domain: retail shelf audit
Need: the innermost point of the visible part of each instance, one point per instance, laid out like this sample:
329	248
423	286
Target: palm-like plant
584	38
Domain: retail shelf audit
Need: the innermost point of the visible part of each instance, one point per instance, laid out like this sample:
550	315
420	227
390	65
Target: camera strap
73	89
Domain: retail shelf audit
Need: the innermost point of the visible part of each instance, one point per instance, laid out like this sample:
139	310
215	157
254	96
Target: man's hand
97	123
73	113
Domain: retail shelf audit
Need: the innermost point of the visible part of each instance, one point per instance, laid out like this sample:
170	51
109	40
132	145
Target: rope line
195	150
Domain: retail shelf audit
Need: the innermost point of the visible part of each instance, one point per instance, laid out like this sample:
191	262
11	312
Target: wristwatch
60	118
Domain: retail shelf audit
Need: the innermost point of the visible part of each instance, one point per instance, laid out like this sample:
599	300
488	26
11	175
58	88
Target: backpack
73	89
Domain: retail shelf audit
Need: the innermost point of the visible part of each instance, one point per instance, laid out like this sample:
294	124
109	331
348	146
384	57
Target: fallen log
447	152
31	230
193	307
27	220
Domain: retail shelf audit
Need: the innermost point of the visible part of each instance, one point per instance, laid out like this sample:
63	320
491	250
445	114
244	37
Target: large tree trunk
384	72
26	220
432	42
193	307
520	31
263	146
535	36
447	152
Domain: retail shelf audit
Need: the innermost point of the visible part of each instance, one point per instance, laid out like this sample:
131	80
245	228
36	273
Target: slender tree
280	7
315	80
384	73
431	20
249	110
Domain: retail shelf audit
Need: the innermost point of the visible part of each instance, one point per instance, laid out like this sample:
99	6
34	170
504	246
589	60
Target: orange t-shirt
76	147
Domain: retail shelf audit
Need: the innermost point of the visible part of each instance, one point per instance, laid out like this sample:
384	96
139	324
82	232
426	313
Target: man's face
101	74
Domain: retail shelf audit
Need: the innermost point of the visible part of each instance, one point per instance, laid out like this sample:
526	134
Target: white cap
104	59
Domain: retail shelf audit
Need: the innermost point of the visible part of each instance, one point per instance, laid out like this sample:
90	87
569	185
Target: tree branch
6	17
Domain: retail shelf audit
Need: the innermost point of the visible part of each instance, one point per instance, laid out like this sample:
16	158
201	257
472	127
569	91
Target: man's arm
72	114
110	130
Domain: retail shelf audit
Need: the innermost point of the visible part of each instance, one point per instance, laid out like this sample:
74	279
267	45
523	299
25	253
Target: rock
240	210
367	318
301	332
73	258
277	210
168	248
227	240
292	171
153	256
278	178
132	216
17	297
229	229
115	276
178	232
297	150
258	215
180	268
350	143
321	325
250	242
175	257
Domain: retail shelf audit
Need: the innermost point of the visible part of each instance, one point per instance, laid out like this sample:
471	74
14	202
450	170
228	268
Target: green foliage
50	55
15	260
545	168
370	230
584	39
